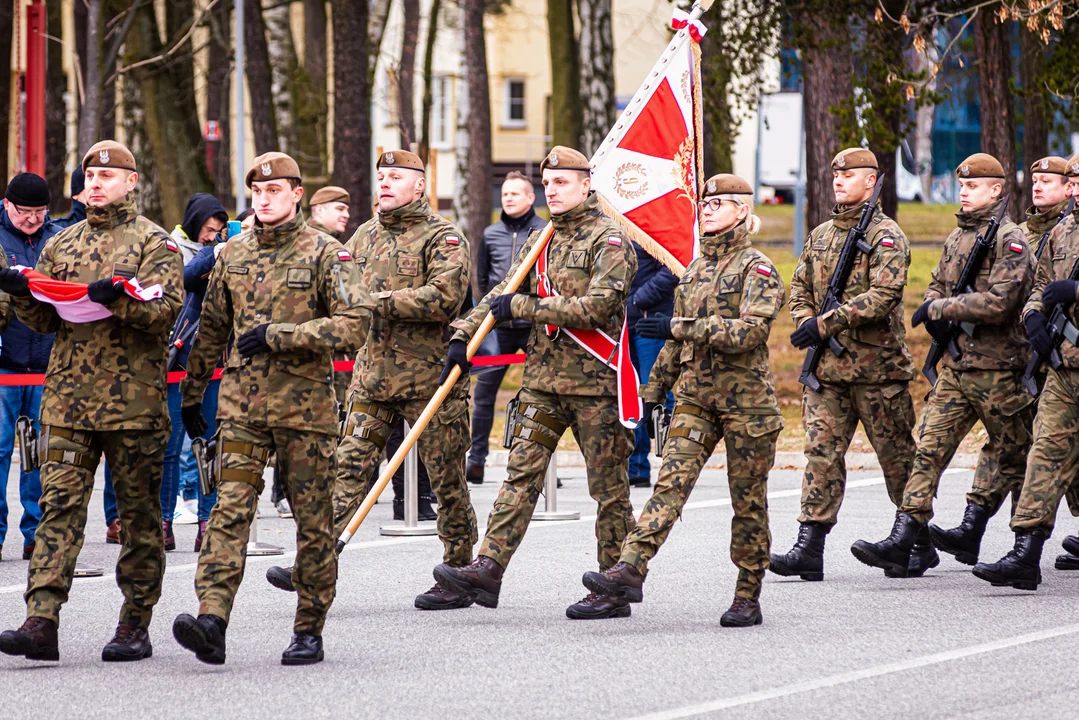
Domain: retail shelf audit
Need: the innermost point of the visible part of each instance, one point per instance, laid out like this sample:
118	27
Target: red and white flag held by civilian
648	169
70	298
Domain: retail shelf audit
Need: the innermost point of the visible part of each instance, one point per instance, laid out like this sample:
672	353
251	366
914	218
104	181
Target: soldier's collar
974	219
845	217
570	219
406	214
1041	219
714	246
280	234
116	213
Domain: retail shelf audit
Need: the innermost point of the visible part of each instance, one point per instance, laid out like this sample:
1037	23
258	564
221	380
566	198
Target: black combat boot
280	578
595	606
204	636
742	613
439	598
892	554
924	556
306	649
129	643
966	540
1070	559
623	580
1021	567
398	509
35	640
424	510
482	580
170	537
806	558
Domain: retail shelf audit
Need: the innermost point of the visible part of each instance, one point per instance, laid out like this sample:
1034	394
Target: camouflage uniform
301	282
868	382
984	384
105	394
1041	221
591	267
415	266
1053	463
718	367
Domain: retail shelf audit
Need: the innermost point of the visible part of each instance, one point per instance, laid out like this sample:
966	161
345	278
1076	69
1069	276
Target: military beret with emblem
1073	166
565	158
980	165
331	193
854	159
109	153
1052	165
272	166
400	159
726	184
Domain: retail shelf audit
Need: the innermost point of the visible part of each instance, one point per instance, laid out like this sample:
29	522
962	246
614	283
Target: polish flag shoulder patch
614	240
764	270
887	242
1016	247
344	255
453	240
171	245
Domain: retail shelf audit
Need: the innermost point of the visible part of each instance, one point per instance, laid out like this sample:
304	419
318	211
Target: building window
441	118
513	113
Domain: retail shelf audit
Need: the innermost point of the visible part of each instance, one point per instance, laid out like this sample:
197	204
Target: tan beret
565	158
1053	165
854	159
1073	166
400	159
726	184
980	165
331	193
272	166
109	153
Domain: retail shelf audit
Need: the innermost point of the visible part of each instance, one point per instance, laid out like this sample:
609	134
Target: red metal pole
35	88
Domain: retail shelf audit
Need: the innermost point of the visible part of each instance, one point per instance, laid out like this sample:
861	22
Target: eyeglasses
36	214
714	204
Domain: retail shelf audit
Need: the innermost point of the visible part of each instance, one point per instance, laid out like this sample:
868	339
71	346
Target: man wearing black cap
78	200
24	228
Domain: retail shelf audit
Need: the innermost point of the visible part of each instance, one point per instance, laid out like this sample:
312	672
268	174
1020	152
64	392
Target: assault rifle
1060	218
1060	327
854	244
983	244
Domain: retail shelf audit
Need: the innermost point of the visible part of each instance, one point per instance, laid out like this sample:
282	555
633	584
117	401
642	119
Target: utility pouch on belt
661	420
28	450
204	458
511	422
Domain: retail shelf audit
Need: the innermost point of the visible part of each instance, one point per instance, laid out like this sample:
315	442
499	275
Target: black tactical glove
920	315
457	354
807	334
1059	292
14	283
654	327
105	291
194	422
1038	333
650	423
501	307
253	342
937	329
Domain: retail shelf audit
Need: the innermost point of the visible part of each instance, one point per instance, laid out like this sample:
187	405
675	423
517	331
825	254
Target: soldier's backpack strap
701	437
248	477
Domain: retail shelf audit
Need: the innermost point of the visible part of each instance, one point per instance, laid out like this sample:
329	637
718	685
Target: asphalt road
857	645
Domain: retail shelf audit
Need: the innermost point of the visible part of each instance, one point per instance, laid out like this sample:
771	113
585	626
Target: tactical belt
536	436
79	437
86	461
687	409
698	436
367	433
381	413
547	440
533	412
248	477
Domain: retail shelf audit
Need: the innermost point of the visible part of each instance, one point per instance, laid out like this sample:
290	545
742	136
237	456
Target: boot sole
279	583
598	583
941	543
919	573
867	558
191	636
783	571
726	622
427	605
481	597
29	651
1067	562
1000	581
123	656
302	661
620	612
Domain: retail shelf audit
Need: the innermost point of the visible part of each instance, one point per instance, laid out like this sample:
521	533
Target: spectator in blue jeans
497	249
25	227
652	291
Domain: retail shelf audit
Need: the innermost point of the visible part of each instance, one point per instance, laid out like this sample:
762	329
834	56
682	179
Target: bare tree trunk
283	70
406	72
462	142
147	192
478	215
889	107
993	50
218	100
718	124
428	77
596	61
7	17
1035	130
923	124
565	75
258	79
312	101
376	28
90	112
352	118
55	112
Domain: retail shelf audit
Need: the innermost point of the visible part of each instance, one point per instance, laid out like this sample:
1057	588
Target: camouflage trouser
606	446
442	448
956	403
1054	457
751	450
830	418
136	458
341	380
306	461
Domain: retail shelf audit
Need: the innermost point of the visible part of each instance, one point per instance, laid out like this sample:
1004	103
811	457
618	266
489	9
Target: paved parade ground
855	646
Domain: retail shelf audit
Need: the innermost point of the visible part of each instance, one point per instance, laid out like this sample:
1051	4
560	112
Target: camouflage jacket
110	374
869	320
5	300
590	265
315	225
724	306
1056	264
1000	289
1039	222
304	285
414	266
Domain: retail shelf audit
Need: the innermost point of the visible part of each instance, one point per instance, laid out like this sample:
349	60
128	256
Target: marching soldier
571	380
869	381
1050	192
716	359
104	395
414	264
983	384
283	291
329	210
